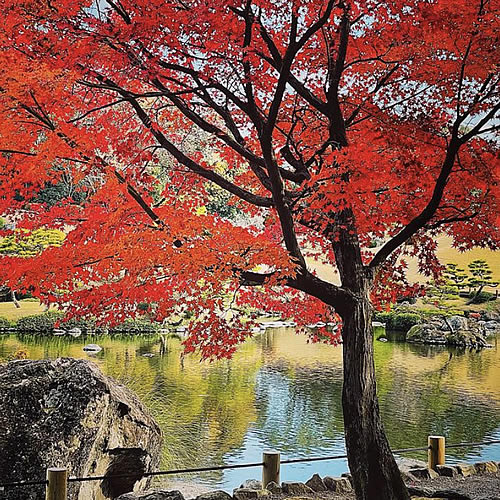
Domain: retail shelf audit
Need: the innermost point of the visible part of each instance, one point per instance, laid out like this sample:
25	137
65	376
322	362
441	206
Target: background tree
341	122
455	276
24	243
481	277
446	287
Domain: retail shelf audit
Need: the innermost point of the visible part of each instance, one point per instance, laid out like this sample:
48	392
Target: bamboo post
271	467
436	452
57	486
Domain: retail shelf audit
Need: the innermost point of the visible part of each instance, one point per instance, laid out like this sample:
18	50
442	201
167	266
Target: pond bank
480	481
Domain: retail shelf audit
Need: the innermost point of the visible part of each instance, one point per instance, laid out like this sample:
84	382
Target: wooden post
436	453
271	468
57	487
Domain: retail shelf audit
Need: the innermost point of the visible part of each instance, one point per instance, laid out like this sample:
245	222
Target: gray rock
338	484
66	413
316	483
447	470
75	332
214	495
490	316
407	477
455	330
455	323
252	484
486	467
424	473
153	495
406	464
466	470
274	488
492	325
347	475
92	348
295	488
420	491
248	494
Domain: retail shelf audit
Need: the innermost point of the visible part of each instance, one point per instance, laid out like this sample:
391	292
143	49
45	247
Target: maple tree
338	123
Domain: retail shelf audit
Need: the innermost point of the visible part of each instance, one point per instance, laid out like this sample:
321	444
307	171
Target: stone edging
252	489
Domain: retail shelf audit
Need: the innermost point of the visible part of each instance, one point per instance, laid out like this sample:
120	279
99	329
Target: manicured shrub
394	320
88	324
134	326
483	297
40	323
404	321
4	322
384	316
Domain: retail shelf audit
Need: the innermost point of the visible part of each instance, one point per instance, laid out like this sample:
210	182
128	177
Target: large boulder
454	330
66	413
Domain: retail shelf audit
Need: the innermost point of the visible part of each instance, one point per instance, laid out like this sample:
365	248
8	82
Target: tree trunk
14	299
374	471
475	296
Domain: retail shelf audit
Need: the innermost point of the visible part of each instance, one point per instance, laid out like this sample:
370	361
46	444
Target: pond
279	392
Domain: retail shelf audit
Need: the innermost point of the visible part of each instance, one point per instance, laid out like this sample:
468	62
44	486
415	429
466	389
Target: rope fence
57	479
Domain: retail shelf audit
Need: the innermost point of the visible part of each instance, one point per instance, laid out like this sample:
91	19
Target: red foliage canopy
321	119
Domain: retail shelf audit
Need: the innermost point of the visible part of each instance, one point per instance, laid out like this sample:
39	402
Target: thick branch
426	214
306	282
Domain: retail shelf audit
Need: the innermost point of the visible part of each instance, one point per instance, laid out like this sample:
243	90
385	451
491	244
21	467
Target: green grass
9	311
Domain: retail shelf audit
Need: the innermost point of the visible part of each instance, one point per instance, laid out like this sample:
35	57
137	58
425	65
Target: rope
165	472
235	466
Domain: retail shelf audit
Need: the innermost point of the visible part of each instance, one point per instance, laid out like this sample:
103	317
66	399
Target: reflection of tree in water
414	407
299	408
204	410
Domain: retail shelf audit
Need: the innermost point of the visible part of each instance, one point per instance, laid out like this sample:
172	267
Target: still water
279	392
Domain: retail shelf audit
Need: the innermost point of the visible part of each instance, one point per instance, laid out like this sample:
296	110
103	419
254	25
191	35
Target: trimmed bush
398	321
4	322
404	321
484	297
134	326
40	323
85	325
384	317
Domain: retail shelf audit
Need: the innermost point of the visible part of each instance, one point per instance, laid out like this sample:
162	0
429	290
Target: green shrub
404	321
398	320
4	322
384	317
84	324
41	323
483	297
134	326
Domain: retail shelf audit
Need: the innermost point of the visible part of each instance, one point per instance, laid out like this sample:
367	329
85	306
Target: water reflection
280	392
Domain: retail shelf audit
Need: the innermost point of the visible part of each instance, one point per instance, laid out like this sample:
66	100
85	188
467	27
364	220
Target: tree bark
14	299
374	471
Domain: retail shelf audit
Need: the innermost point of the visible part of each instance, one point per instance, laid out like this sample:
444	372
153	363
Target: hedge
398	321
43	323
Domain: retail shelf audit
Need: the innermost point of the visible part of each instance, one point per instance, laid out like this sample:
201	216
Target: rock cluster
421	481
252	489
464	470
448	482
454	330
66	413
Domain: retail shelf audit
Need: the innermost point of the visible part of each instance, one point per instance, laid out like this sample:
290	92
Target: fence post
436	452
271	467
57	486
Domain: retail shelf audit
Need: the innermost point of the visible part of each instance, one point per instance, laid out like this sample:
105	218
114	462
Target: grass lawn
28	307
